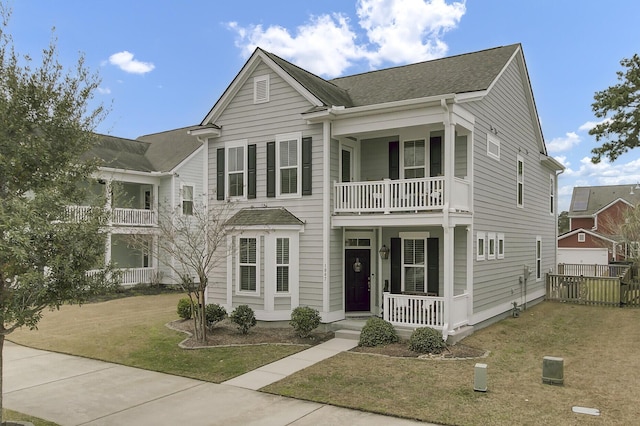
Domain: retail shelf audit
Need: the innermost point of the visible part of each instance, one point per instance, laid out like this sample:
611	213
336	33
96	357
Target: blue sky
164	63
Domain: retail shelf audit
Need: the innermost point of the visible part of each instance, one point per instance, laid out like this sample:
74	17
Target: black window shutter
220	174
251	171
271	169
396	265
394	160
306	166
435	156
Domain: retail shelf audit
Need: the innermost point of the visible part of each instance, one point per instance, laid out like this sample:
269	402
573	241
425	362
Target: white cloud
104	90
124	60
570	140
397	31
591	124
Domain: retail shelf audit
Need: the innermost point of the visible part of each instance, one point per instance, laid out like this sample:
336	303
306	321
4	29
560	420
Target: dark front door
356	277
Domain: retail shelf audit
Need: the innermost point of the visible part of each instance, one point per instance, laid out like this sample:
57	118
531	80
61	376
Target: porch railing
388	196
414	311
140	217
131	276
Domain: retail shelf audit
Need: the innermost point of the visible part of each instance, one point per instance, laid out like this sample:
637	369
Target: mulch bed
226	333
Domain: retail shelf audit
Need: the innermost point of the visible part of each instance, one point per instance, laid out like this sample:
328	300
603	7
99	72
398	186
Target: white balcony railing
140	217
388	196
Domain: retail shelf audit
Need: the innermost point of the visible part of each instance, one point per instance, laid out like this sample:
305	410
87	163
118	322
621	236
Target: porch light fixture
357	267
384	252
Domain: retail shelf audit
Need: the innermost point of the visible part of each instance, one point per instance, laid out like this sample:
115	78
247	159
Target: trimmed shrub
184	308
244	318
377	332
426	340
214	313
304	320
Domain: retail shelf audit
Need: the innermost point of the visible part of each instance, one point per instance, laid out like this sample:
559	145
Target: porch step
347	334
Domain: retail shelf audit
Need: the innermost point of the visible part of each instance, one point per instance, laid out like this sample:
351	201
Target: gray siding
496	282
259	124
460	260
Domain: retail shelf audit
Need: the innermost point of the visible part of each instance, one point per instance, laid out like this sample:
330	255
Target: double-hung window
413	264
481	246
538	258
288	169
248	265
552	194
520	181
282	265
187	200
414	159
236	170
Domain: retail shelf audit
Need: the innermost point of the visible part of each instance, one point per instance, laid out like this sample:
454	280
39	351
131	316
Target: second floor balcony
402	195
119	216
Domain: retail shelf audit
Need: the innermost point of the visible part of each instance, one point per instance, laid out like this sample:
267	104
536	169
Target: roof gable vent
261	89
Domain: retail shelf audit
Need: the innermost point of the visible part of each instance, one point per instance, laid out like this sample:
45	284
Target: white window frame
552	195
414	236
227	170
519	181
481	246
582	237
538	266
297	136
261	89
493	142
286	264
491	245
414	167
500	247
184	200
239	289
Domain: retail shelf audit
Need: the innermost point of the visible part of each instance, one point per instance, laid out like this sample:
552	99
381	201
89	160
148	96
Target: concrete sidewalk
72	390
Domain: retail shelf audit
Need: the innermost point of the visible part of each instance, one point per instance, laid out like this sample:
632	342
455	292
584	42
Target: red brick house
595	215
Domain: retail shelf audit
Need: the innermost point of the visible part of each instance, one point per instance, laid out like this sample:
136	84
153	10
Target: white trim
552	195
230	252
257	265
491	238
327	317
493	141
481	236
500	249
193	197
297	136
582	237
519	180
403	167
586	231
413	236
241	143
257	80
284	315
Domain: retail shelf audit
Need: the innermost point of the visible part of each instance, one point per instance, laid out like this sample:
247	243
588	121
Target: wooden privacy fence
606	291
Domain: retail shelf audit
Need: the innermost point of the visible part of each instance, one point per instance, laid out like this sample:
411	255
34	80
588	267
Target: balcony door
347	164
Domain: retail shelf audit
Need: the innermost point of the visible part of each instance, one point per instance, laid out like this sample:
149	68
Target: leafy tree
45	126
618	106
563	222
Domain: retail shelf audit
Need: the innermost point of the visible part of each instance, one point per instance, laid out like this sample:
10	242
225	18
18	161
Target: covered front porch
411	276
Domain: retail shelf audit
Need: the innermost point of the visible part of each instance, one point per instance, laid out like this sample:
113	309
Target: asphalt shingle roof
266	216
597	197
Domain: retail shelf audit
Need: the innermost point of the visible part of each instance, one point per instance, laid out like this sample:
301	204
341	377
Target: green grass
600	348
131	331
15	416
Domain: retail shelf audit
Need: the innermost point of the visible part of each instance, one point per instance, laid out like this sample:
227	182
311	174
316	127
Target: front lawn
600	347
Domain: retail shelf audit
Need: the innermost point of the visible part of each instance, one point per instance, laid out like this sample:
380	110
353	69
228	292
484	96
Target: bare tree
192	242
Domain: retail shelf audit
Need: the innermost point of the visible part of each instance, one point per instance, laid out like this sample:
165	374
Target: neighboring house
141	177
595	215
423	193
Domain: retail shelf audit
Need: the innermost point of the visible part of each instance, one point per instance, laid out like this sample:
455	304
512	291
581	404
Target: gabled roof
588	200
608	238
466	73
470	72
267	216
159	152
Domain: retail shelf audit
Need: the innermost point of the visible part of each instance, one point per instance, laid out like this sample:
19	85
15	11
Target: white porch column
449	154
449	241
107	249
326	216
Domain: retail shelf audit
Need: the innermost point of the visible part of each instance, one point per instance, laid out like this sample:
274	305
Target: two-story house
422	193
140	179
595	216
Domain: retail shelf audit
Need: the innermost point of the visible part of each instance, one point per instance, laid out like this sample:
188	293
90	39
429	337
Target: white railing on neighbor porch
134	217
77	213
131	276
414	311
402	195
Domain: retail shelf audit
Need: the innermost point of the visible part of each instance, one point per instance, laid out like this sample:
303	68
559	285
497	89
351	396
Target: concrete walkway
72	390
